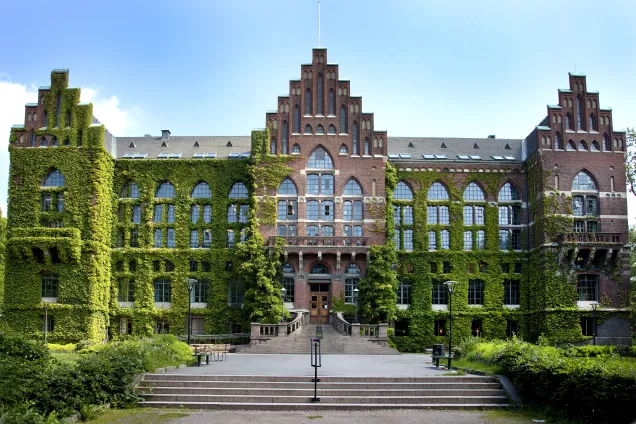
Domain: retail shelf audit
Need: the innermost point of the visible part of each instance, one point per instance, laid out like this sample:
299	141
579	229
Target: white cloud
13	97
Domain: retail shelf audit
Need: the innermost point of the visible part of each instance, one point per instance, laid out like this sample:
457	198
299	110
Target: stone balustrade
262	332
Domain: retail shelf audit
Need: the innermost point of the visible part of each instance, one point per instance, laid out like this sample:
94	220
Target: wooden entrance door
319	303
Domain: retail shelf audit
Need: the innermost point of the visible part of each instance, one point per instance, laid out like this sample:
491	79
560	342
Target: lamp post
594	308
451	287
191	283
356	292
283	292
46	321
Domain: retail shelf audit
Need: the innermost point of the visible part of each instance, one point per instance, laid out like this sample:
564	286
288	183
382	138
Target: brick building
533	229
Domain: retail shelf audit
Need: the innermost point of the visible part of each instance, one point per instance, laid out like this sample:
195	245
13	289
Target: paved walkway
332	365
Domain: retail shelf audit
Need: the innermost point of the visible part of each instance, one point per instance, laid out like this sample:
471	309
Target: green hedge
31	381
599	390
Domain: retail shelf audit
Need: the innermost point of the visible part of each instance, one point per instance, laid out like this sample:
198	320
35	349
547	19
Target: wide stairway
335	393
332	343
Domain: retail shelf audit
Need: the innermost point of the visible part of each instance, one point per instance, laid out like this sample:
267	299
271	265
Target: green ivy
3	237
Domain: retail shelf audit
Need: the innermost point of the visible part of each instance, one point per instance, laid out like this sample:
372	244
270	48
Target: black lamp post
356	292
283	292
594	308
191	283
451	287
46	321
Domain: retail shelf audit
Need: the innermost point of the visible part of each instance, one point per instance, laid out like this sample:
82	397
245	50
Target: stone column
282	329
355	330
383	331
255	333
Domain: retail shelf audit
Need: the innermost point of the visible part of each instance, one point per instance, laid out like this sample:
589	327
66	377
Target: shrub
62	348
24	415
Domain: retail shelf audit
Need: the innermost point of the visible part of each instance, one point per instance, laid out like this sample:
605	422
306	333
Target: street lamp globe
283	292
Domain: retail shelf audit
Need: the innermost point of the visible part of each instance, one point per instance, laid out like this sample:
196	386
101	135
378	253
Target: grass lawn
67	357
489	369
138	416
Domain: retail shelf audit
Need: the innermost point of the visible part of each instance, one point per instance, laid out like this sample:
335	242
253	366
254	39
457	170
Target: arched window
367	147
308	129
320	159
238	191
582	145
607	144
568	121
332	130
165	191
54	179
352	188
32	139
320	130
163	290
296	119
343	119
594	147
129	191
319	96
352	269
474	192
583	181
287	187
272	146
508	193
332	102
403	191
43	142
437	192
579	113
592	122
558	142
571	146
296	148
285	138
308	102
201	191
356	139
319	269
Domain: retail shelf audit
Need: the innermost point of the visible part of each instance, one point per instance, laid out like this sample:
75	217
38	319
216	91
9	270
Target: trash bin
438	350
319	331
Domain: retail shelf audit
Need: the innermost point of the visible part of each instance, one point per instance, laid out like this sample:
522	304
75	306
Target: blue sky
463	68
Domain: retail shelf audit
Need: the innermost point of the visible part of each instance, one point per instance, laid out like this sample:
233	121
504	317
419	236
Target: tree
377	301
630	160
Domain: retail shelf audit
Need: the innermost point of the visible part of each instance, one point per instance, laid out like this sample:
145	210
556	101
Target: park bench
218	352
436	359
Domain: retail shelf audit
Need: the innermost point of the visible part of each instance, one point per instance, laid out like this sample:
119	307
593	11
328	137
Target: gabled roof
184	145
455	147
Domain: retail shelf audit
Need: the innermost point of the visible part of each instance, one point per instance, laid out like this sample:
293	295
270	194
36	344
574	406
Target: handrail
340	324
296	324
370	330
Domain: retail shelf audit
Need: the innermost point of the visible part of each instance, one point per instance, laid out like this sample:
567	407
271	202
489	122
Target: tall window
308	102
288	284
509	215
163	290
568	121
126	290
585	203
236	295
558	141
332	102
199	293
580	120
49	284
58	100
511	292
356	139
440	293
607	145
352	281
343	119
403	216
272	146
319	96
296	123
592	122
320	159
587	287
404	293
475	292
285	131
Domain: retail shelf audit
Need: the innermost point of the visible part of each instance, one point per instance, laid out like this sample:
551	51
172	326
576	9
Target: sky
448	69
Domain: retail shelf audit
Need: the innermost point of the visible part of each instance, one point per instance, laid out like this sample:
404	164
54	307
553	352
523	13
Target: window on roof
437	192
473	192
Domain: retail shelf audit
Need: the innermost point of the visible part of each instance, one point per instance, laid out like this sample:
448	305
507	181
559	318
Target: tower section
578	207
59	218
331	207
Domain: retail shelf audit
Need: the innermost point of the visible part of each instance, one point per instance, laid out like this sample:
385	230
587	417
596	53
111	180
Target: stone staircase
335	393
332	342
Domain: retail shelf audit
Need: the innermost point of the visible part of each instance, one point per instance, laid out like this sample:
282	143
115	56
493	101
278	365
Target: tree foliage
630	160
377	290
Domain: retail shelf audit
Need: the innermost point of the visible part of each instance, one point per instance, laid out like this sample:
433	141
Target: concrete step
307	385
309	392
323	379
318	406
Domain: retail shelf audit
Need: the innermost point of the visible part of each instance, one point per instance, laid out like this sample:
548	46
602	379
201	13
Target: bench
436	358
218	352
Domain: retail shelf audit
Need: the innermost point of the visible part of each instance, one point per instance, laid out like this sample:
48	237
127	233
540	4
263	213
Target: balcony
592	238
318	241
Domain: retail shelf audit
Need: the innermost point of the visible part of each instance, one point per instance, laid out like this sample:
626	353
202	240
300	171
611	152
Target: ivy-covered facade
113	236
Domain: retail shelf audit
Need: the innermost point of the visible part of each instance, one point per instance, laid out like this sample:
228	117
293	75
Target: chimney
490	136
165	134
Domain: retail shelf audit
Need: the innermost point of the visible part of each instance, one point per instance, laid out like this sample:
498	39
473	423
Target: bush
27	416
62	348
597	390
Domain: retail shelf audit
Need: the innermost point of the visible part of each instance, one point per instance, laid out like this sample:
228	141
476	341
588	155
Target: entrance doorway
319	303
